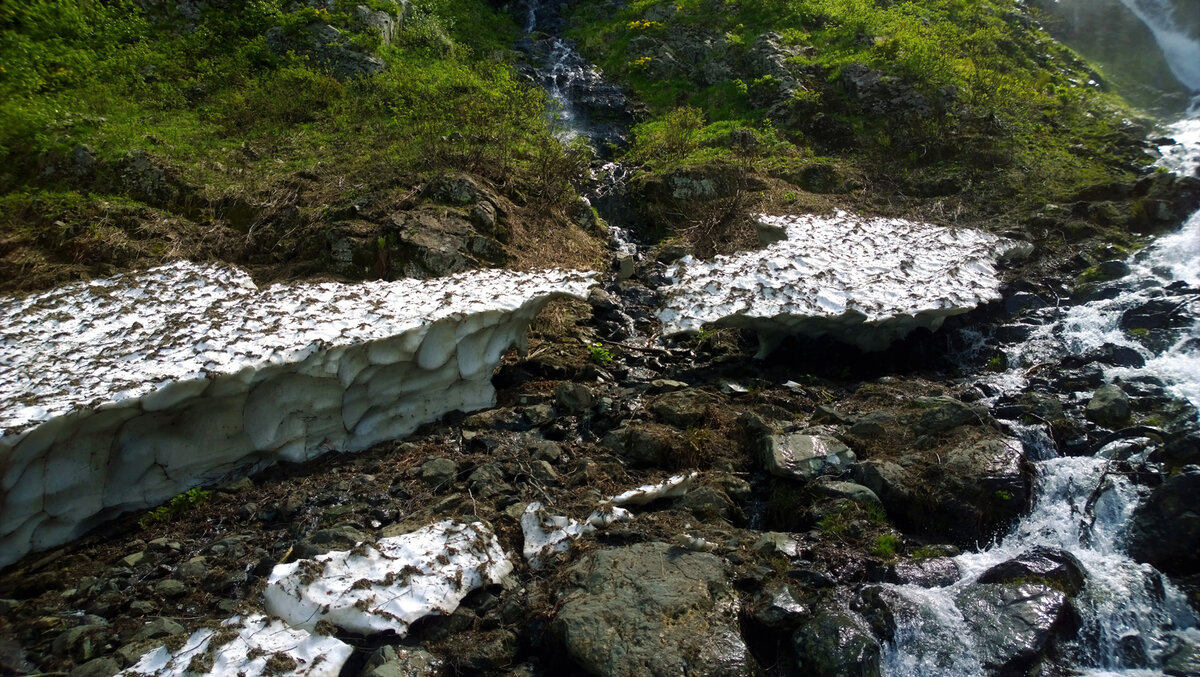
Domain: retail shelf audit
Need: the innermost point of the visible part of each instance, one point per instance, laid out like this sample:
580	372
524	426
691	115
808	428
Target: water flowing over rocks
866	282
164	380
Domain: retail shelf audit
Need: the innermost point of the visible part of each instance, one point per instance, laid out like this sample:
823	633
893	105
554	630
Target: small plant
177	506
885	546
1004	495
600	355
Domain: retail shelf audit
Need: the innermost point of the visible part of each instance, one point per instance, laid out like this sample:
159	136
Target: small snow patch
672	487
248	647
388	586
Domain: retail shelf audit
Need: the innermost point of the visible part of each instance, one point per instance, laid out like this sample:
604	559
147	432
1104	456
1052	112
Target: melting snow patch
373	589
865	281
251	647
117	394
545	534
671	487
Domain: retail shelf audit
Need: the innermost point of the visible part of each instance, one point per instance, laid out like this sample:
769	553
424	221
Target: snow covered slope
117	394
864	281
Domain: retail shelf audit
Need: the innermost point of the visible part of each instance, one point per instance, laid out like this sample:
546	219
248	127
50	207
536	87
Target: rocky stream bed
1008	488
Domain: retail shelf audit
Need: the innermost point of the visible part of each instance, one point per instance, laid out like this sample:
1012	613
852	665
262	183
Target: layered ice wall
117	394
864	281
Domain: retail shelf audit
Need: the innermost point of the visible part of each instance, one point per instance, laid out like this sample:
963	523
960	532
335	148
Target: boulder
687	408
645	444
805	456
1015	625
1057	568
328	47
651	609
1109	407
1165	530
834	643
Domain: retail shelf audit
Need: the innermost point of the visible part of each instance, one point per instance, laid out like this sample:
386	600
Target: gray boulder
836	643
385	24
1016	626
1165	530
651	609
1051	566
684	408
805	456
1109	407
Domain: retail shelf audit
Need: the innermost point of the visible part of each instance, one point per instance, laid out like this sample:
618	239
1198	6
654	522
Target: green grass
1008	104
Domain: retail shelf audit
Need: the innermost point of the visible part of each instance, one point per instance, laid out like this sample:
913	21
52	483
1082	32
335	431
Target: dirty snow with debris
117	394
391	584
863	281
249	647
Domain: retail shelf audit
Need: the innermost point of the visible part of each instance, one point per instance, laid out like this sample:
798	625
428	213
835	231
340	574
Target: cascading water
1130	615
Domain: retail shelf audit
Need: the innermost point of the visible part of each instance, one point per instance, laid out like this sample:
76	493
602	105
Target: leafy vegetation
210	98
599	354
179	505
972	103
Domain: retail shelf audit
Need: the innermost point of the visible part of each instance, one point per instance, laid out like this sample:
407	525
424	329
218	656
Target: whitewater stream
1130	614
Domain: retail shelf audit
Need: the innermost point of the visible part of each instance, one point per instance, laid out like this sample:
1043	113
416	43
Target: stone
844	276
328	47
776	606
170	588
82	642
574	398
545	450
849	491
204	380
438	473
834	643
1042	564
707	503
1109	407
403	661
1016	625
1181	657
688	408
98	667
650	608
929	572
338	537
644	444
1165	530
159	627
804	456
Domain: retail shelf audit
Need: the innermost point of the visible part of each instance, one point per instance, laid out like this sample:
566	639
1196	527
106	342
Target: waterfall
1181	50
1129	612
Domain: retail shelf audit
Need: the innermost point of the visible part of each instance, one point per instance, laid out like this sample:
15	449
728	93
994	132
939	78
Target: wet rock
943	413
1057	568
1165	530
1016	625
1157	314
651	609
776	606
1110	354
805	456
438	472
1109	407
929	572
1181	658
836	643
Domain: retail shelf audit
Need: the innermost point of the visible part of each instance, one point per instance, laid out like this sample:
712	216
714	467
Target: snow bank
117	394
864	281
251	647
374	589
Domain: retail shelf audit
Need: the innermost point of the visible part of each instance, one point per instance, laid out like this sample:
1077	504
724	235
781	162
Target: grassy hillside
231	122
955	110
